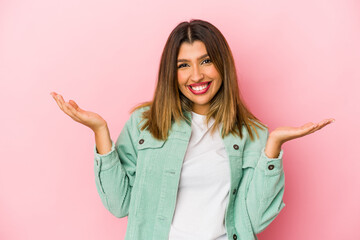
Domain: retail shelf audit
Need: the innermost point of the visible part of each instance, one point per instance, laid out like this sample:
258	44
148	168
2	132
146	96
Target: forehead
187	50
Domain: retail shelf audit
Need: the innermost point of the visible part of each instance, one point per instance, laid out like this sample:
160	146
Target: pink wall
298	61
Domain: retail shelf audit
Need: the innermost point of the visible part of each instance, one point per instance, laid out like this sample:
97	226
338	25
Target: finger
327	122
73	118
307	128
312	127
74	105
70	112
75	113
65	108
320	125
315	128
307	125
61	101
58	102
330	120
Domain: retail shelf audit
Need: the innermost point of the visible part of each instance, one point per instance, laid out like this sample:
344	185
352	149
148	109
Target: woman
187	165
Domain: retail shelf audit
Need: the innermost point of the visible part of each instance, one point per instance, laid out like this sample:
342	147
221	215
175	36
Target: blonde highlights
168	104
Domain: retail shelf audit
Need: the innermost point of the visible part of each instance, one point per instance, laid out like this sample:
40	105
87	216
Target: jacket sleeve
115	170
264	198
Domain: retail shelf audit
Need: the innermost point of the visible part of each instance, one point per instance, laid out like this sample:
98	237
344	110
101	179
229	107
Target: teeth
199	88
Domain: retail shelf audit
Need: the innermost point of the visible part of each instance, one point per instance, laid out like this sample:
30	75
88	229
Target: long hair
168	104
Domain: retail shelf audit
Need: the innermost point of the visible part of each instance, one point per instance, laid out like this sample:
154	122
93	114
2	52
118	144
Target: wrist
101	129
275	140
272	148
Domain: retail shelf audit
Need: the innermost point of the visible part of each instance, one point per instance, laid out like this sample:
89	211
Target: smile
199	88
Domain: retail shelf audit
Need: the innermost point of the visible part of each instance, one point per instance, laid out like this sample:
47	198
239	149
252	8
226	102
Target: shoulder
135	118
131	129
137	114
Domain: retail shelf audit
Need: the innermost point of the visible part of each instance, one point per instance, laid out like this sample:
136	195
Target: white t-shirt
204	186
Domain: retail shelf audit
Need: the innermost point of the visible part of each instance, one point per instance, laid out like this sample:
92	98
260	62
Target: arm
103	140
264	197
114	164
115	170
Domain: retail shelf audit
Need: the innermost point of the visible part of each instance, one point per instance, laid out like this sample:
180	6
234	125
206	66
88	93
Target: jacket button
271	167
236	147
234	191
234	237
141	141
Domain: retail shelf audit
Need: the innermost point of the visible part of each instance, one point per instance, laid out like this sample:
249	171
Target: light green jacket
139	178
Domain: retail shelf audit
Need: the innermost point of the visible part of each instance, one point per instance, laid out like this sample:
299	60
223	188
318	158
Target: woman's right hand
90	119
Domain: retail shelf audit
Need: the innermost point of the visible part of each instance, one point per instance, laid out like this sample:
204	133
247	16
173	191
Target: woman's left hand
284	134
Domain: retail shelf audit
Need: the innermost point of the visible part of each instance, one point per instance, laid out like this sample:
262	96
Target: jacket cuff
107	160
271	166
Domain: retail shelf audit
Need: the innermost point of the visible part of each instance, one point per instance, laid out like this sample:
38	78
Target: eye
207	60
182	65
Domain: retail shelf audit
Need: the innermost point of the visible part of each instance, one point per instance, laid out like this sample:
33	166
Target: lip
202	91
199	84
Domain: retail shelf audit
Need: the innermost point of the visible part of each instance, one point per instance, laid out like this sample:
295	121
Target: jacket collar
185	125
188	115
184	129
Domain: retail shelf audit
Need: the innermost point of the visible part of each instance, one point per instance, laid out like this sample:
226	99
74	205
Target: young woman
193	163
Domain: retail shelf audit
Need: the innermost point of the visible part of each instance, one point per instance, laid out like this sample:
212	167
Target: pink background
298	61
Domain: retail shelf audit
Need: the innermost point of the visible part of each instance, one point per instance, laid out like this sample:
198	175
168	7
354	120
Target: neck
202	110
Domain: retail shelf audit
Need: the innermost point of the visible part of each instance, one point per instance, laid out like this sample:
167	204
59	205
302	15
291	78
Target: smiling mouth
199	89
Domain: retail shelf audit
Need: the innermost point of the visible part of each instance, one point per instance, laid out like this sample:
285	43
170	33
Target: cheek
213	72
182	78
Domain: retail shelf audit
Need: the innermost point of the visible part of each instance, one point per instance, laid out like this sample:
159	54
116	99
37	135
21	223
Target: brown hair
169	103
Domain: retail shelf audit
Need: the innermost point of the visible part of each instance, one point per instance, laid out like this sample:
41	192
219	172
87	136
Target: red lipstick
199	92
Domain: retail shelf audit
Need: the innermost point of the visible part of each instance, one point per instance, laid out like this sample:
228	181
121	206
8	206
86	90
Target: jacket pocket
250	159
146	141
149	154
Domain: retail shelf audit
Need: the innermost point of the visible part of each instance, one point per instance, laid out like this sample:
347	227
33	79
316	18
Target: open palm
284	134
87	118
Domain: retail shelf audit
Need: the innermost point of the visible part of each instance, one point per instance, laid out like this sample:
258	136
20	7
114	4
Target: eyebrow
185	60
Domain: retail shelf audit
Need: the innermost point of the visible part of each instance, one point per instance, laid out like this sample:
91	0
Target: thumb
307	125
73	103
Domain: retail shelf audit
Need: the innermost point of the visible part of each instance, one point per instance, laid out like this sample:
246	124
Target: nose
197	74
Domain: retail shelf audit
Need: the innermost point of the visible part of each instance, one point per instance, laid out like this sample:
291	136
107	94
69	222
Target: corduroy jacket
139	178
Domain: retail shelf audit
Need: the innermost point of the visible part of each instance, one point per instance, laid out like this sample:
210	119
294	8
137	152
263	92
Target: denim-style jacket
139	178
